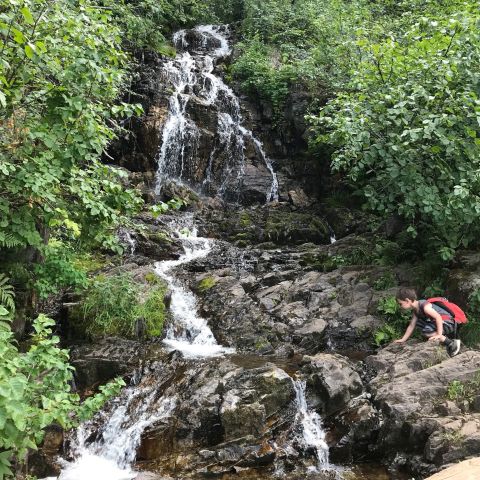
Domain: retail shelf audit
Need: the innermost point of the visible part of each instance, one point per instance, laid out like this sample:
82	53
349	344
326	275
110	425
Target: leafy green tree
406	130
303	44
61	70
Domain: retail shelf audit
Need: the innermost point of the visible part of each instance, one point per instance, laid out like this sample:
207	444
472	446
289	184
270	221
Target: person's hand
435	338
400	340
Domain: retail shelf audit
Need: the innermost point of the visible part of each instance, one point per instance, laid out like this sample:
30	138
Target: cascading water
112	453
127	240
196	86
188	333
311	434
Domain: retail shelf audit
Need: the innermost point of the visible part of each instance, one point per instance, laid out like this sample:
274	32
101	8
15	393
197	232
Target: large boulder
428	402
332	382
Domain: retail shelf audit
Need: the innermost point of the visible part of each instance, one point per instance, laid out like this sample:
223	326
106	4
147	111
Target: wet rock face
225	416
333	381
280	300
137	149
428	404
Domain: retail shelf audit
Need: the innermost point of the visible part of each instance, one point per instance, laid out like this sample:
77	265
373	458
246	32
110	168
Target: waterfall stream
312	434
196	87
188	333
115	447
106	446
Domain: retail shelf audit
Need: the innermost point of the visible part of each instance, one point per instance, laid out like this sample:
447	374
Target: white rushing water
113	451
189	332
191	76
311	435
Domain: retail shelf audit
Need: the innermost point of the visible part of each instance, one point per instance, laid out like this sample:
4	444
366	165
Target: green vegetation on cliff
394	101
119	305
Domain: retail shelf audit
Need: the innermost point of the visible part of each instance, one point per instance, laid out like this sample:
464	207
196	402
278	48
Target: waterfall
112	453
188	332
311	434
126	238
195	86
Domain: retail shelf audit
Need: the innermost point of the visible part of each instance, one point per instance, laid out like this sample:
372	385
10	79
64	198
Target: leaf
30	50
3	99
18	36
27	15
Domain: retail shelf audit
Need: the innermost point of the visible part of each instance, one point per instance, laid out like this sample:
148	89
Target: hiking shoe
453	348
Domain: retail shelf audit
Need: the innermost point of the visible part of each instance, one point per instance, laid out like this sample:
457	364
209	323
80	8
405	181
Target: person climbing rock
436	323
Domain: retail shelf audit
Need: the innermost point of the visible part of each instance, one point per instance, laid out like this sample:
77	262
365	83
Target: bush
35	391
405	128
114	306
153	311
395	321
470	333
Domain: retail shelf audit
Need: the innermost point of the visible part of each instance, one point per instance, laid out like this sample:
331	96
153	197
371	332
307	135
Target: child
427	317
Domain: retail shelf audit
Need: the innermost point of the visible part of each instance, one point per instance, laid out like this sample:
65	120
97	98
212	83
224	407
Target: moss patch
206	284
152	278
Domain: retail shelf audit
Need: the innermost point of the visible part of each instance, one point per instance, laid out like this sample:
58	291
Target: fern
7	240
7	294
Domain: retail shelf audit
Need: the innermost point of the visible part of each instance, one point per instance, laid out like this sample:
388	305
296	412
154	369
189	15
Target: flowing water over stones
199	410
313	435
188	333
114	449
205	114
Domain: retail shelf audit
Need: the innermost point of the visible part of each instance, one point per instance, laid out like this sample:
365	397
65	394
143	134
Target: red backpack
456	313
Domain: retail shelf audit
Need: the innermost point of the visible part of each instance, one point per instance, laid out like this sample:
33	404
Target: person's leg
452	346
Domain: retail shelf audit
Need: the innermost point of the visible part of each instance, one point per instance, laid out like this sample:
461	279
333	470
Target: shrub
153	311
405	128
470	333
109	306
395	321
35	391
114	306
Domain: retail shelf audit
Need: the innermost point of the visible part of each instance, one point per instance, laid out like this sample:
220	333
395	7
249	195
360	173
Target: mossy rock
153	311
152	278
245	219
159	237
286	226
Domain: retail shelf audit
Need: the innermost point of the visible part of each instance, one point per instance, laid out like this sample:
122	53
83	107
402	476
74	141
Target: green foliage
302	44
58	270
62	69
114	305
35	391
7	297
109	306
153	311
470	333
395	320
405	127
387	280
455	390
435	289
385	334
163	207
458	391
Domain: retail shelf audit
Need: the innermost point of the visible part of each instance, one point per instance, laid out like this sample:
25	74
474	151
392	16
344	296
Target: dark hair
405	293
